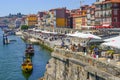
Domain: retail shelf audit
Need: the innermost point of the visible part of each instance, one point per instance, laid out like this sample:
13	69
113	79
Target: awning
105	25
84	35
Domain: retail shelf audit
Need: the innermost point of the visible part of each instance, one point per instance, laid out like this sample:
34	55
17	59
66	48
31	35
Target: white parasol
90	36
113	43
112	39
84	35
48	32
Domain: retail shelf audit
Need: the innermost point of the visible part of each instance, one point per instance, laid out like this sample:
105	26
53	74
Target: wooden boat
27	65
29	50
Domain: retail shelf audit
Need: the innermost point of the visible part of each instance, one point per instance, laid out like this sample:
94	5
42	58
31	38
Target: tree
24	27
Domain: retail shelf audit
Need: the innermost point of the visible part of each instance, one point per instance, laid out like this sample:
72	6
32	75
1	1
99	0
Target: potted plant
91	49
110	53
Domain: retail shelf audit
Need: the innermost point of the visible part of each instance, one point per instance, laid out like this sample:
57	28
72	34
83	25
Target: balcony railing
98	9
107	15
116	23
115	7
92	18
106	8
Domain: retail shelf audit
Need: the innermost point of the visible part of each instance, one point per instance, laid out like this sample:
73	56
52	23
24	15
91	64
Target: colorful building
31	20
76	19
60	19
91	15
79	17
68	18
40	17
83	14
107	13
101	13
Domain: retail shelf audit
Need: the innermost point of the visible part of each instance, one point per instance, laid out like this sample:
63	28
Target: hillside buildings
101	14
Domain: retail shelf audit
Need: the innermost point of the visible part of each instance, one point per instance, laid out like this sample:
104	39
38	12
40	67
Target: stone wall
42	42
68	65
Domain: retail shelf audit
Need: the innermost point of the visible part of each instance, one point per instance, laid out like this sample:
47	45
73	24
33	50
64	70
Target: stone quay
70	65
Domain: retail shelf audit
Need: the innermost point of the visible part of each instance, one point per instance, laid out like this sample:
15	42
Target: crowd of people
75	47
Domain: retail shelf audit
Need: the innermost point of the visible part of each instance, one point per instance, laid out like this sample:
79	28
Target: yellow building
78	22
60	22
31	20
84	17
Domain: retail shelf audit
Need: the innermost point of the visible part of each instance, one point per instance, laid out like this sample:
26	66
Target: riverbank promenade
68	43
72	49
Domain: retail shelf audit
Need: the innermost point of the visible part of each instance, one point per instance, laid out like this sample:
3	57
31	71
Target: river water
11	57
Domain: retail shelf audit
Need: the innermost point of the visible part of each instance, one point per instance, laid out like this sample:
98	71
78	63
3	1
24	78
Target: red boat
29	50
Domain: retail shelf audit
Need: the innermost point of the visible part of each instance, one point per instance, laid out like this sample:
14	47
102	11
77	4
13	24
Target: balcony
88	18
106	8
97	16
92	18
98	9
92	12
97	23
118	23
107	15
116	7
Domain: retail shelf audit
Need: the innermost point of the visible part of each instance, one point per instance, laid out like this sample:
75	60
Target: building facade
75	18
18	22
107	13
84	15
40	17
61	19
91	15
31	20
79	17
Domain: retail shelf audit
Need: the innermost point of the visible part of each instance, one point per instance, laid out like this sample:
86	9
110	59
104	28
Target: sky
33	6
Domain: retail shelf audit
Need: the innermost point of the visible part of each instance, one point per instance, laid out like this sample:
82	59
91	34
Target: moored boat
29	50
27	65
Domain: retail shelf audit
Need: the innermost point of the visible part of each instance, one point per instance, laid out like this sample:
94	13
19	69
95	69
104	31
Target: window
115	12
115	4
115	19
109	5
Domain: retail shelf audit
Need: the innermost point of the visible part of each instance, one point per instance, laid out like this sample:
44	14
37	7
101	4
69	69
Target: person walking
96	51
84	47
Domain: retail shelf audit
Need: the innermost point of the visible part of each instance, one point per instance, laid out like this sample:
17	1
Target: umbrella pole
88	41
88	46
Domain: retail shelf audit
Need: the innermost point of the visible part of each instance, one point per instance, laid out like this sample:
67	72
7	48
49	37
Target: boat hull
27	69
27	65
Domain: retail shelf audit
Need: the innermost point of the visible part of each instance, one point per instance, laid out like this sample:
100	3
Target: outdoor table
102	59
